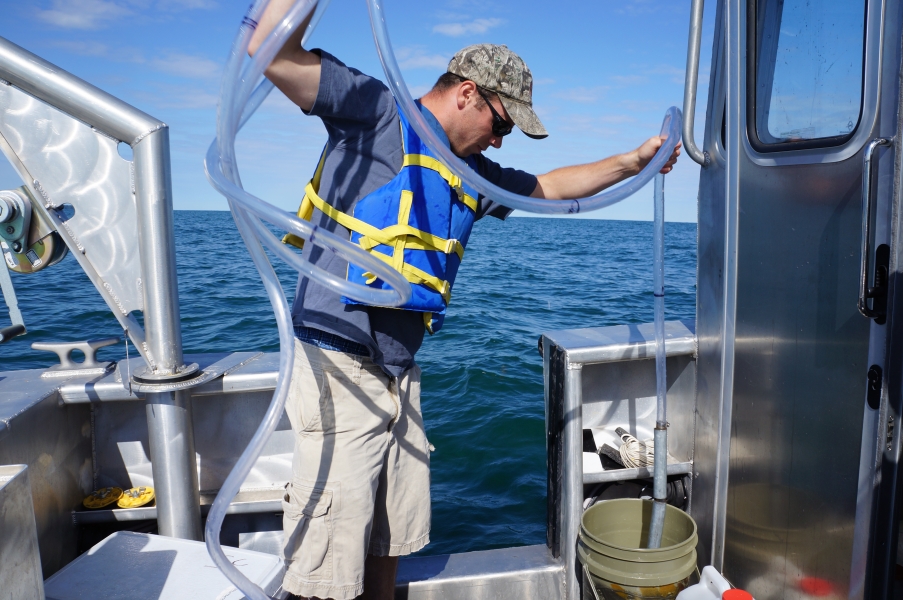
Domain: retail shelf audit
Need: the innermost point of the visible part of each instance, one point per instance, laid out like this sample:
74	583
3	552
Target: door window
808	72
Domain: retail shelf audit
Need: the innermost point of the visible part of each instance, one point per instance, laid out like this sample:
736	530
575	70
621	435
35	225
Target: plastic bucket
616	563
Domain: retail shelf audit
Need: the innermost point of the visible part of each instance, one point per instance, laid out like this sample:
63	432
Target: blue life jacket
419	223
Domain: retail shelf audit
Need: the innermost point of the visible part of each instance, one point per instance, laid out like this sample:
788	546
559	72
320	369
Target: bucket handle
589	580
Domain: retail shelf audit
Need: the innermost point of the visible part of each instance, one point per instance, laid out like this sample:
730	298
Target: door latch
878	292
873	394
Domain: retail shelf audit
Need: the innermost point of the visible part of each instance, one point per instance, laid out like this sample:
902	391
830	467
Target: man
359	495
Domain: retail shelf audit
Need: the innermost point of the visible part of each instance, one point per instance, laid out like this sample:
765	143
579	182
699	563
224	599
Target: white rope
635	453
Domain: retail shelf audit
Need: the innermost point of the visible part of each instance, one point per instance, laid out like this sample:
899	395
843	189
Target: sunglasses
500	127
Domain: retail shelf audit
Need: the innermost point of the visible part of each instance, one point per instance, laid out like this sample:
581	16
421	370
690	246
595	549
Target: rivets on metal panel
40	189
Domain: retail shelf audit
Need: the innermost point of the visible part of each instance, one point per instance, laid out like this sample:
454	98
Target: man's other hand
645	153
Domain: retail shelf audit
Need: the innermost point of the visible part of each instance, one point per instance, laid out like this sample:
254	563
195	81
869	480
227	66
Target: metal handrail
170	437
866	224
690	84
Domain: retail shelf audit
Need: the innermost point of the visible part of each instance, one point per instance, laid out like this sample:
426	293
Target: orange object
815	586
736	594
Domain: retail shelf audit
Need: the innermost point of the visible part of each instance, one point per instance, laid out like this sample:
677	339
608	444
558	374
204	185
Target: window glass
809	69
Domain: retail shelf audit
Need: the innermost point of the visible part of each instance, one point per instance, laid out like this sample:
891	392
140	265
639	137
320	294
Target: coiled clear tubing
237	104
242	92
670	128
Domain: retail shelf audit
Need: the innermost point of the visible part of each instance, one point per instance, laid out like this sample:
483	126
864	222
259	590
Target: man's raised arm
294	70
581	181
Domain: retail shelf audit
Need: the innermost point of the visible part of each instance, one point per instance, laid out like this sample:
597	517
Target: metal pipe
72	95
572	484
171	439
691	80
169	421
169	415
156	242
660	441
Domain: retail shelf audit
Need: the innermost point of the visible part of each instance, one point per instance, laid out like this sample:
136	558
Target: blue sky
605	72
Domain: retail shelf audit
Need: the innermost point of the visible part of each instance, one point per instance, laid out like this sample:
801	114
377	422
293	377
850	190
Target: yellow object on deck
135	497
102	497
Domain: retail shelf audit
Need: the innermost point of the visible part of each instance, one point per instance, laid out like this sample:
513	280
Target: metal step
681	468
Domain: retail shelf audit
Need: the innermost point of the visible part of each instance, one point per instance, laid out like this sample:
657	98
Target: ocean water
482	374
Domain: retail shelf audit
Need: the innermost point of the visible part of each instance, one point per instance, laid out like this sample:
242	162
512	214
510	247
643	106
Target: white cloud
629	79
674	74
97	49
180	5
94	14
82	14
186	65
585	95
417	57
84	48
477	26
617	119
634	105
180	97
639	7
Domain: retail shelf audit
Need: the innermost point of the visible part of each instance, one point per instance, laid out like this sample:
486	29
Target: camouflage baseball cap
499	70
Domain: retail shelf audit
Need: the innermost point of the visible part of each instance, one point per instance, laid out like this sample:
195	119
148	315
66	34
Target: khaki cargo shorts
360	474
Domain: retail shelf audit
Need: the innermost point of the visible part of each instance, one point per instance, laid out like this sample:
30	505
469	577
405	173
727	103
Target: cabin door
795	364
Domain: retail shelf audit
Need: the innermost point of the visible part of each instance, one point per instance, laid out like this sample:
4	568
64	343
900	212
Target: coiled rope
635	453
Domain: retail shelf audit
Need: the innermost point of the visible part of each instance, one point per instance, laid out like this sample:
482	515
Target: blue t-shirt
363	153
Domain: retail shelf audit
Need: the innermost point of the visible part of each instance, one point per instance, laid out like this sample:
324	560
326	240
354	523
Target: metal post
169	423
169	413
156	241
171	438
572	485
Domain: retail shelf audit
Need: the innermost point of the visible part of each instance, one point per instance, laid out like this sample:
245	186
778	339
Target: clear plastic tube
237	103
670	128
240	97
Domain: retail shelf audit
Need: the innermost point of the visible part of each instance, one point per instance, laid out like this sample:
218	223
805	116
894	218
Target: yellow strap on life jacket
417	276
399	237
306	210
372	237
428	322
428	162
416	240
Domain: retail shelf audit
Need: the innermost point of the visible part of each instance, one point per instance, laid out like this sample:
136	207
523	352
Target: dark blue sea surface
482	374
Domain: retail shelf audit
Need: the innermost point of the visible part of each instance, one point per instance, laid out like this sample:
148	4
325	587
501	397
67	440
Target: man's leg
401	520
379	577
341	410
